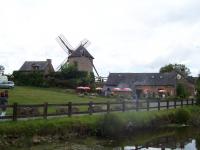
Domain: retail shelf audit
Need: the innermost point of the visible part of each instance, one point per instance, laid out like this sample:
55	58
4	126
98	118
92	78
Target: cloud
126	36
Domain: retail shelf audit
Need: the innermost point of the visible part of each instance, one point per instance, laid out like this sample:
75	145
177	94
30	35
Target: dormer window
35	67
153	77
161	77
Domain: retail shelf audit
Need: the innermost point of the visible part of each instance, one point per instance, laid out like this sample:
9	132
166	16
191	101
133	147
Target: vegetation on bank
111	125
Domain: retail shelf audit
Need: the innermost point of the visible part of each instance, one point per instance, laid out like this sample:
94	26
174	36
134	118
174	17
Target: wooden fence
16	111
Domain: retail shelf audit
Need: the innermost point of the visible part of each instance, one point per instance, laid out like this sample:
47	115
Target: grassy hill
35	95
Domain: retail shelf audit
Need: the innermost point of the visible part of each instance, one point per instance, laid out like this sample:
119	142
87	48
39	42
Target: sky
125	35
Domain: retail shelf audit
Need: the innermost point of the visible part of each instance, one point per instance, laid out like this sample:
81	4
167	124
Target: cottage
148	84
45	67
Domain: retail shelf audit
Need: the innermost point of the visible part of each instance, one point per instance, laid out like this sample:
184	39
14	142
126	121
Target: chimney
49	61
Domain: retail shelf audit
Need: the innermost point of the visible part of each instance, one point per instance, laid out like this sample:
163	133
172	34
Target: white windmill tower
79	56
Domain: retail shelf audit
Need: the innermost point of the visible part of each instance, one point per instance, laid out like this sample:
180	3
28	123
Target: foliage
69	71
181	91
179	68
195	120
70	77
110	125
182	116
167	68
198	90
47	127
35	78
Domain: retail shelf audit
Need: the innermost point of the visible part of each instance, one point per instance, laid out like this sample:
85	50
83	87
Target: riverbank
180	138
107	126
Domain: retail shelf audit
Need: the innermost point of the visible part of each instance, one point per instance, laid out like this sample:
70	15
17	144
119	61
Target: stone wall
83	63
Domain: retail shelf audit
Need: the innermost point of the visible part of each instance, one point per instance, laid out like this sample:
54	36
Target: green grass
38	126
47	127
35	95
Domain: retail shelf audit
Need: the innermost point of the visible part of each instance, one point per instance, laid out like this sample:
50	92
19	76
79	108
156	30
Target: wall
171	90
83	63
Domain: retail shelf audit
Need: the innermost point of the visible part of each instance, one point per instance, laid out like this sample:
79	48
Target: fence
45	110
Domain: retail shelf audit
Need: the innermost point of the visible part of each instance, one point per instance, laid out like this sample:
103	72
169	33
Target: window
35	67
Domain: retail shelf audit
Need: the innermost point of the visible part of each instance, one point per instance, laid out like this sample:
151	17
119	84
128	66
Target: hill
35	95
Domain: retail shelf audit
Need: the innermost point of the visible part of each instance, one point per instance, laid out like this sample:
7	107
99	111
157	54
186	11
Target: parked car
7	85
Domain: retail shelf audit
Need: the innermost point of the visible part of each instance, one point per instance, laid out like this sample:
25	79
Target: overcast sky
125	35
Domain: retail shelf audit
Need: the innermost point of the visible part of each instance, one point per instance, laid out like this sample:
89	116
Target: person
6	94
3	102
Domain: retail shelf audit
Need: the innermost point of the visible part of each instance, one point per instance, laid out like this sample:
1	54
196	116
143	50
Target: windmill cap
81	51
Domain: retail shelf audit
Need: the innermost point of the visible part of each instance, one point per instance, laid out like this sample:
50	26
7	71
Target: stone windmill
78	56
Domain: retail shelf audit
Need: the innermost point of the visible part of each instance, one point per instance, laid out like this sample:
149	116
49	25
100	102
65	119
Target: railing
16	111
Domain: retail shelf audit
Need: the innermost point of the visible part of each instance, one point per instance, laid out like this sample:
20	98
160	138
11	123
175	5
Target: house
148	84
82	59
45	67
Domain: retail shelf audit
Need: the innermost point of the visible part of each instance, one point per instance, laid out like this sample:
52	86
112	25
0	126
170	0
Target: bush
70	77
198	90
195	120
182	116
181	91
110	125
30	78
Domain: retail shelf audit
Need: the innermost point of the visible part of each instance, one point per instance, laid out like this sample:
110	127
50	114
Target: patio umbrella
161	90
80	88
99	88
127	89
116	89
86	88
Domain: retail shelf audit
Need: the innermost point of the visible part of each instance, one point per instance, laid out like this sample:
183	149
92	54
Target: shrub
162	119
181	91
70	77
110	125
30	78
195	120
182	116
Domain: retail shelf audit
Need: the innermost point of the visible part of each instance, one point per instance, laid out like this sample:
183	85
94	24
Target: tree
179	68
69	71
74	77
181	91
198	90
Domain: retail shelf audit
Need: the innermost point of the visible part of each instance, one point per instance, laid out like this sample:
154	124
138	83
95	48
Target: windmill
79	55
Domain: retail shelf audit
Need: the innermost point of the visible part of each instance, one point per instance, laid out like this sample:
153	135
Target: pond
182	138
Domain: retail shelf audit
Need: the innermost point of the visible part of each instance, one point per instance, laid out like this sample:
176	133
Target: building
149	84
45	67
82	59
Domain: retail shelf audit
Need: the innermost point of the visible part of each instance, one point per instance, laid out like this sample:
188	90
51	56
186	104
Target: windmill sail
64	44
63	62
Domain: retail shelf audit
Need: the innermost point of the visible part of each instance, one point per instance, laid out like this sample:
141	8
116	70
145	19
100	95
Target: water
178	139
